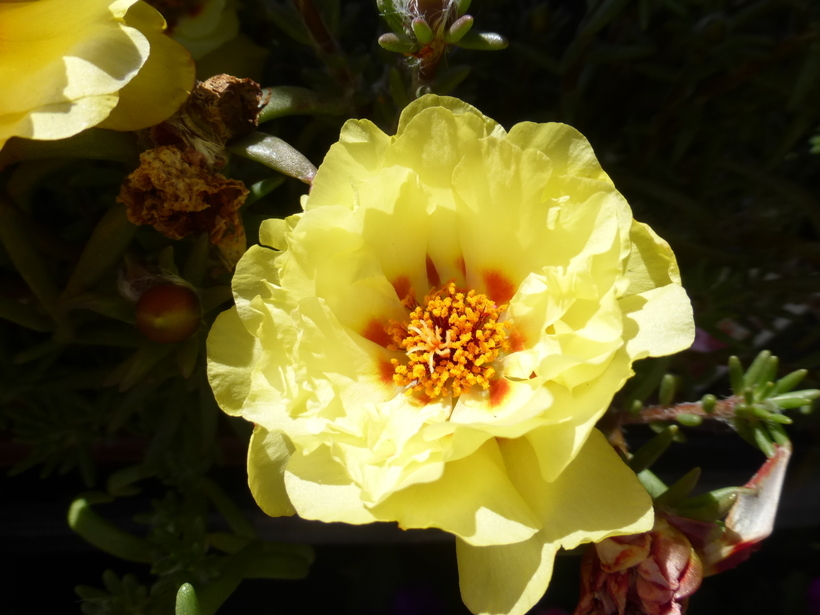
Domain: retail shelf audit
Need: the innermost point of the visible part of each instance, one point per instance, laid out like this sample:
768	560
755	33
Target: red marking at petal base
432	274
499	389
402	286
461	266
386	371
517	340
374	331
499	287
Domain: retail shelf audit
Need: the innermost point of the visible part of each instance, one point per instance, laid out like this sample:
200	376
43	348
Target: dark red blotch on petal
499	287
376	333
499	389
432	273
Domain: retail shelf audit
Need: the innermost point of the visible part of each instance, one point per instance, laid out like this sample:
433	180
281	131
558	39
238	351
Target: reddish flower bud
645	574
168	313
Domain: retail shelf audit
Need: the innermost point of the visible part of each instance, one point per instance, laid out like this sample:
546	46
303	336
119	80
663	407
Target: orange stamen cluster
451	342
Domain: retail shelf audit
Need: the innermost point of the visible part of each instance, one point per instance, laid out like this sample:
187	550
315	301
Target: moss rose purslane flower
68	65
433	340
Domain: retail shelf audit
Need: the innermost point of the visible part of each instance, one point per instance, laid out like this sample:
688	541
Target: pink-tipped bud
651	574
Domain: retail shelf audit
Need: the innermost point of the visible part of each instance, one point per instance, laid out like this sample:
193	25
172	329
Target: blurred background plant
704	113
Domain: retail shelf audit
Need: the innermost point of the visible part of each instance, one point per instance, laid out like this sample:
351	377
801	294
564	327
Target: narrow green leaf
645	456
736	375
103	250
483	41
778	434
197	261
654	485
756	369
422	31
30	264
24	315
105	536
458	29
287	100
398	43
230	512
679	489
263	188
712	506
789	381
667	390
763	440
794	399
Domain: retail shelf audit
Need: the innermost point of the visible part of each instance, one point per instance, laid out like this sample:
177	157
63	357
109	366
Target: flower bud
168	313
652	573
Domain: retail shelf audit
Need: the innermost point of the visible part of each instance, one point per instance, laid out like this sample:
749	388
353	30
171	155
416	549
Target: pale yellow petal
651	262
162	84
232	356
504	579
596	496
489	127
658	322
568	150
474	500
358	155
268	454
320	489
62	64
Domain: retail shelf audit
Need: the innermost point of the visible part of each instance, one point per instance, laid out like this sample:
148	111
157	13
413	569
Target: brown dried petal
227	105
177	194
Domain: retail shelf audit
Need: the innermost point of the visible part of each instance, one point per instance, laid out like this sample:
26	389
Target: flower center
451	342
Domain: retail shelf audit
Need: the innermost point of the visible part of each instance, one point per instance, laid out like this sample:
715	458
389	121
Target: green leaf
483	41
458	29
276	154
667	390
711	506
105	536
794	399
422	31
645	456
187	602
789	381
736	375
757	369
398	43
103	250
679	489
286	100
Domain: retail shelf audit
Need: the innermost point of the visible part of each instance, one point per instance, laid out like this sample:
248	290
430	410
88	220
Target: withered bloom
178	194
652	573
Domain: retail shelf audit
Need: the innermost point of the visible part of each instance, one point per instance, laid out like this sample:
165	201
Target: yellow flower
432	341
67	65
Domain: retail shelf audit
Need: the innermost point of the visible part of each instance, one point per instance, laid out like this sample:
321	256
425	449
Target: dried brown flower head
178	194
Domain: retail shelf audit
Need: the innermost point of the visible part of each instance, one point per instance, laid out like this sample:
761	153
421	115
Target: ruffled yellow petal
165	79
473	499
595	497
62	63
320	489
268	454
504	579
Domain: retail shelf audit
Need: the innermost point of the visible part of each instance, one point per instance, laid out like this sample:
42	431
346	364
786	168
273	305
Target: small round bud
168	313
